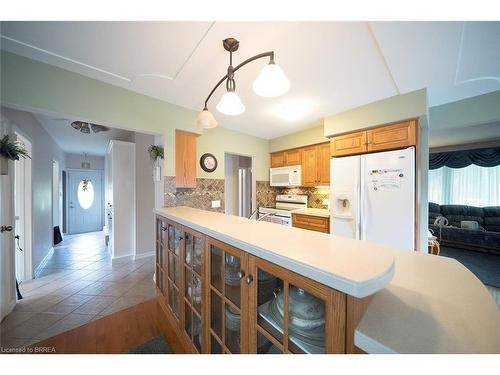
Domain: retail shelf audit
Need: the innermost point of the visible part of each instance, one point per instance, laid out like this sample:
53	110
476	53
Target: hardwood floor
115	333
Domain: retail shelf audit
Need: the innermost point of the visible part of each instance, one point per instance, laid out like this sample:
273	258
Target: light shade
230	104
271	81
206	120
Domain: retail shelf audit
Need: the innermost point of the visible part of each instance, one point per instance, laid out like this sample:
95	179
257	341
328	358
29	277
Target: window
85	193
472	185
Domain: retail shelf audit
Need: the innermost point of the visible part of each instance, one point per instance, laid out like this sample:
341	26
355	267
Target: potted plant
156	154
10	150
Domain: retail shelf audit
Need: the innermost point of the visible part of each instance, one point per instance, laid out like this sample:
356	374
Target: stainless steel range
282	213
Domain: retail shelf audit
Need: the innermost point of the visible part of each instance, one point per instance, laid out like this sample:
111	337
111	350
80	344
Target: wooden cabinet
185	159
381	138
227	296
316	223
280	301
315	162
192	285
293	157
316	165
391	136
277	159
348	144
180	267
310	172
324	164
220	299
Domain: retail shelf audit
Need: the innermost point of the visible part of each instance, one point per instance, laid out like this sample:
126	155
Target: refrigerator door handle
240	192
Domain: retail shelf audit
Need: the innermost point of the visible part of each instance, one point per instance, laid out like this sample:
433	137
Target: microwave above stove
286	176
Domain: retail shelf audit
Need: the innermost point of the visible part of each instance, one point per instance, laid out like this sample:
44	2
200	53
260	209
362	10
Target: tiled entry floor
81	284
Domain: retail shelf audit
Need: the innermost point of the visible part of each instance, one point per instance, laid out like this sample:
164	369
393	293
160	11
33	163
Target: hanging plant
12	150
155	153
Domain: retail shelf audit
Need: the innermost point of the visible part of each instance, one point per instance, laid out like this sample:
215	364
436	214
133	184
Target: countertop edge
358	290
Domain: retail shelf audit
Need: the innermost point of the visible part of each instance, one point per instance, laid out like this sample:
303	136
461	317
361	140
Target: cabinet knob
241	274
249	279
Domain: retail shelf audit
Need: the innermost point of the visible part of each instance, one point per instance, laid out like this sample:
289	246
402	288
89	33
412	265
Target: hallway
80	284
78	251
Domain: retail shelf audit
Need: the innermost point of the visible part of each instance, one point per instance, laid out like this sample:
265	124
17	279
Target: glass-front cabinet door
227	330
172	266
192	254
160	248
294	314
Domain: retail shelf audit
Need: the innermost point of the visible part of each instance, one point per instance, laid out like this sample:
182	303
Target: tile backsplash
209	189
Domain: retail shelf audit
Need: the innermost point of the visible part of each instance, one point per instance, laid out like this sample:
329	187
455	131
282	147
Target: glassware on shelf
194	290
233	268
197	255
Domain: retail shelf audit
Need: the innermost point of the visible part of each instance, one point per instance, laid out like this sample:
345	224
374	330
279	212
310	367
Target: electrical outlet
216	204
326	202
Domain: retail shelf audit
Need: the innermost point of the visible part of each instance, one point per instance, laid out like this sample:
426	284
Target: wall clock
208	162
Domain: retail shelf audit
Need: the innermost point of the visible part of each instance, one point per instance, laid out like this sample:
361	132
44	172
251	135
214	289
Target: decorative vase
157	173
4	165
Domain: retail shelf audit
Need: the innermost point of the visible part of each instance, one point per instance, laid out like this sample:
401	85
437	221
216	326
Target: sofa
486	238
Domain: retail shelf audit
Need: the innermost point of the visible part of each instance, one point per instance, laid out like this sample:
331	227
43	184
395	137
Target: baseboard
144	255
44	261
128	256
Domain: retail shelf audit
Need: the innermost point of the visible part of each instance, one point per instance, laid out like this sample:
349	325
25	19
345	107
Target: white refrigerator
372	197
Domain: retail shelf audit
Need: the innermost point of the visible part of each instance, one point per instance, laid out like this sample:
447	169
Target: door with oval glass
85	206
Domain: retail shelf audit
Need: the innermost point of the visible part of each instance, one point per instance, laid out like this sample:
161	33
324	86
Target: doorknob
5	228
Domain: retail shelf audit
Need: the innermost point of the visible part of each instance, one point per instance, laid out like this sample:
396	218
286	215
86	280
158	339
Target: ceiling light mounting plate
231	44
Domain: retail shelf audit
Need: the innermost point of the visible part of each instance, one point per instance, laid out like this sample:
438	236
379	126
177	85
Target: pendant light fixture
271	82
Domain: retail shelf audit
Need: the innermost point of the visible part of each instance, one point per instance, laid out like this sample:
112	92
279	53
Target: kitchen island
229	284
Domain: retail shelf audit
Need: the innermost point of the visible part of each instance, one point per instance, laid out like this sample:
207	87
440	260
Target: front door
85	210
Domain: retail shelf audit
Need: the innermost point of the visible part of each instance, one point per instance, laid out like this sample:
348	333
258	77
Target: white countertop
432	305
320	212
358	268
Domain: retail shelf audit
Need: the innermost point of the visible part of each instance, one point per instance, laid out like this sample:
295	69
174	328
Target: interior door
7	272
388	198
85	201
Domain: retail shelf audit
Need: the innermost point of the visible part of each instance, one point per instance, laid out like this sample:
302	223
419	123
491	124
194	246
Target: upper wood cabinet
310	175
293	157
348	144
316	165
324	164
391	136
278	159
185	159
381	138
315	162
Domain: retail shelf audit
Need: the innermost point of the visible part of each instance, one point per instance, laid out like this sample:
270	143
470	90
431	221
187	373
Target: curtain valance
484	157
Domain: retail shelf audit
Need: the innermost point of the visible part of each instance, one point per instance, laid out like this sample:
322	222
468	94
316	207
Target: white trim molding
144	255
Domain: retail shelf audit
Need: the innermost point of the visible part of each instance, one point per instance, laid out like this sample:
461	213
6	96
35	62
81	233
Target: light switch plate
216	204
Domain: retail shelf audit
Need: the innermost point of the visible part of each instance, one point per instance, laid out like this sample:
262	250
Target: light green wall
480	109
219	140
309	136
34	86
400	107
